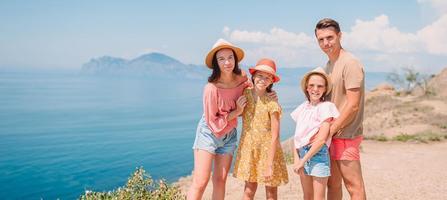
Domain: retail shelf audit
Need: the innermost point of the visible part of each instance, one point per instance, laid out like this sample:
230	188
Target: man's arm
348	111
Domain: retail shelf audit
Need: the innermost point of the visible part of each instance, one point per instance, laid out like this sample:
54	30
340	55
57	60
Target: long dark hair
215	75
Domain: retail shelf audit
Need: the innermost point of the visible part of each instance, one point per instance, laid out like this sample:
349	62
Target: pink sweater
217	105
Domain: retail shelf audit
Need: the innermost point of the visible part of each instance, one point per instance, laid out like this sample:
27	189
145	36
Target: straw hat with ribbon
265	65
321	72
222	44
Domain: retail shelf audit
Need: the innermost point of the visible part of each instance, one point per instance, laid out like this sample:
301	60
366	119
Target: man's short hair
327	23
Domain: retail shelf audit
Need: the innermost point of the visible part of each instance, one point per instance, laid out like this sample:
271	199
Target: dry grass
389	117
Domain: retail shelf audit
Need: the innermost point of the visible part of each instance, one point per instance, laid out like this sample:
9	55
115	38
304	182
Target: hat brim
326	77
252	71
209	57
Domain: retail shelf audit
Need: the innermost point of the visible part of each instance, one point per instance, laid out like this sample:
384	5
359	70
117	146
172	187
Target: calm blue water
61	133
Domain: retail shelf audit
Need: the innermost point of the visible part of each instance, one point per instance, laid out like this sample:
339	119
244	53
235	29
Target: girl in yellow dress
259	157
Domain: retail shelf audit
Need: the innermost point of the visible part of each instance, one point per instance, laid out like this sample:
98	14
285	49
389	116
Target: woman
216	135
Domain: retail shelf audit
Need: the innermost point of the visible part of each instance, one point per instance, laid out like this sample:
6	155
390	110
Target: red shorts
345	149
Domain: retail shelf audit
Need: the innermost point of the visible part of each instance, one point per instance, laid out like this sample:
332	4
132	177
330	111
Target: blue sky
385	35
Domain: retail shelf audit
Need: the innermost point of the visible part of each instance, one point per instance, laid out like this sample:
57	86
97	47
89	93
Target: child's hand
268	173
298	166
240	103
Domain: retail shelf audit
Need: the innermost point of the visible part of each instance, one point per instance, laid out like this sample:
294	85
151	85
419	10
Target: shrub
380	138
444	126
409	79
288	157
420	137
404	137
139	186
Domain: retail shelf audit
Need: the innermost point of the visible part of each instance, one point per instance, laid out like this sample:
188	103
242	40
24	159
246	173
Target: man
347	75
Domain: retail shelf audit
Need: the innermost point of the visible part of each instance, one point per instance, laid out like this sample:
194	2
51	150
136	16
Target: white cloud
285	56
379	35
289	49
226	30
375	35
379	44
275	37
439	5
434	36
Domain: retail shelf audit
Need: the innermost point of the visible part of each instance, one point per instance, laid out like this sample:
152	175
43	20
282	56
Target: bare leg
335	183
201	174
320	184
307	185
351	171
222	164
249	190
271	193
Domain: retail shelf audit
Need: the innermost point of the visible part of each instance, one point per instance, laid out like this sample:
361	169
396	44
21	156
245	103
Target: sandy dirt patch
439	106
392	170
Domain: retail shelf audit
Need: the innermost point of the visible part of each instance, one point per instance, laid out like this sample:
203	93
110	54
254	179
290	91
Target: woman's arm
274	120
218	121
240	105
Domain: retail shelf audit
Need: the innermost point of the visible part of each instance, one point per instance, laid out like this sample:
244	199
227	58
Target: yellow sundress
254	145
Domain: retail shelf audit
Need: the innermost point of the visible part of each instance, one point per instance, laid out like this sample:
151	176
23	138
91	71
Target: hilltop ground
405	154
391	170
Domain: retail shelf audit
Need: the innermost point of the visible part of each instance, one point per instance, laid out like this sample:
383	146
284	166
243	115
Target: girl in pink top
313	117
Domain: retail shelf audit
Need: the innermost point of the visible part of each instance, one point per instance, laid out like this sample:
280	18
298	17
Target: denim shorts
319	164
206	140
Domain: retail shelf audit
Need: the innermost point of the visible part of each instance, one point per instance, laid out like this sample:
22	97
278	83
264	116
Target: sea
62	133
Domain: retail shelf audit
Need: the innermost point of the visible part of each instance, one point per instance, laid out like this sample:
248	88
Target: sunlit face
225	60
262	80
328	40
316	87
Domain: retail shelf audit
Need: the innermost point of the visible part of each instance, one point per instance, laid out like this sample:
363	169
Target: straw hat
265	65
222	44
320	71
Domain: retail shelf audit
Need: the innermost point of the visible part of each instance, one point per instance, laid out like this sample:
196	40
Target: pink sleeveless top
217	105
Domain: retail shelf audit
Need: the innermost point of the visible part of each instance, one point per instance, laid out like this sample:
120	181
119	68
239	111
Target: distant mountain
160	66
153	65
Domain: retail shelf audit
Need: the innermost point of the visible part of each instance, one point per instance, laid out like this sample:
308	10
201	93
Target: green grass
403	137
139	186
288	157
444	126
420	137
380	138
